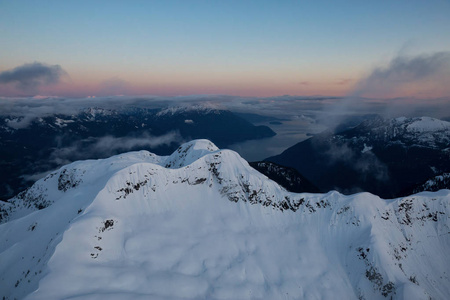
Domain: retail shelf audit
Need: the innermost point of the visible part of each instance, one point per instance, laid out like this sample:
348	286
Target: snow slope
419	131
202	224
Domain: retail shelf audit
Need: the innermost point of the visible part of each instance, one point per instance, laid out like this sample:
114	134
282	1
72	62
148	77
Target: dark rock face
289	178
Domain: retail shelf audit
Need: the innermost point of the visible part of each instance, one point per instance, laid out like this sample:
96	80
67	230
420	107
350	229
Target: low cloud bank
422	74
109	145
102	147
427	71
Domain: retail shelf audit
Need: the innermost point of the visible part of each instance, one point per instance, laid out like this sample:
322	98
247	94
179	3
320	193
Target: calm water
288	134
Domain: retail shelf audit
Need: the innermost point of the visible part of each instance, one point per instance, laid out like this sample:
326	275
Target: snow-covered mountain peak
426	124
414	124
190	152
210	227
94	112
68	179
205	108
419	131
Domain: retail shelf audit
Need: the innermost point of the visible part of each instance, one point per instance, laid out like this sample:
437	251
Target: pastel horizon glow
242	48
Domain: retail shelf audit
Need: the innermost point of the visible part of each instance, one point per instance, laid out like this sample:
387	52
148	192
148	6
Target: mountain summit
202	224
32	145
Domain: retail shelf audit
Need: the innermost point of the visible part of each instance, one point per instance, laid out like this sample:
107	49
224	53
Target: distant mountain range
29	147
387	157
202	224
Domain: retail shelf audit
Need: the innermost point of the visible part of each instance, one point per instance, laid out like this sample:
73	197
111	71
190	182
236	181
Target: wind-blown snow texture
202	224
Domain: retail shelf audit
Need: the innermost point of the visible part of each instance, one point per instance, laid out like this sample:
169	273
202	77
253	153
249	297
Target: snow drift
202	224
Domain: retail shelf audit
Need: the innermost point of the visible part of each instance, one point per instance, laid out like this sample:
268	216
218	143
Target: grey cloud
109	145
433	70
112	144
21	122
101	147
32	75
328	111
279	106
366	164
404	70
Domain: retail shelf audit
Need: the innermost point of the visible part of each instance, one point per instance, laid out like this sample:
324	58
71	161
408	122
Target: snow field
202	224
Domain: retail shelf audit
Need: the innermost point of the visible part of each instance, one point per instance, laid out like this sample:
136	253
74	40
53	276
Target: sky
241	48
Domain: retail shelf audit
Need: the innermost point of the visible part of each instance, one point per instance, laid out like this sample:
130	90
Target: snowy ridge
176	110
66	179
189	152
93	112
425	124
420	131
202	223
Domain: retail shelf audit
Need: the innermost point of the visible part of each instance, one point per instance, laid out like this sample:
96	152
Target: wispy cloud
403	70
366	165
100	147
109	145
373	93
344	81
33	75
113	144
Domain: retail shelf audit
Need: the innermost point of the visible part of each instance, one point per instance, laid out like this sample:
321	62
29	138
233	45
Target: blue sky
255	48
